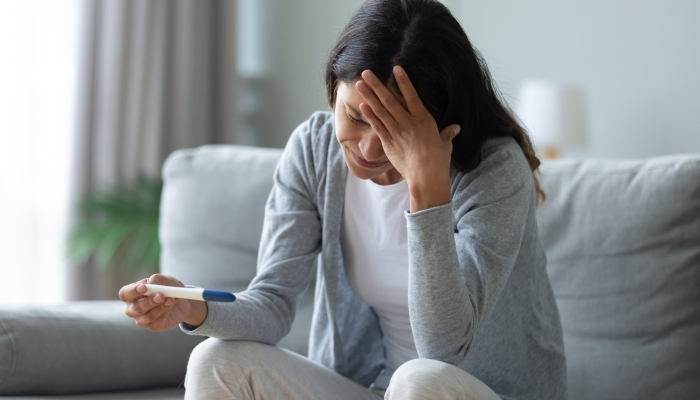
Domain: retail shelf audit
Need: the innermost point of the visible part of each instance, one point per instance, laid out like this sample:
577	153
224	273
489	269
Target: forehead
348	93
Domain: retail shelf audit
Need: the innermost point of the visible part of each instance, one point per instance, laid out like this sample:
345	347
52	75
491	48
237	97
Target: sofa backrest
212	213
623	253
211	220
622	240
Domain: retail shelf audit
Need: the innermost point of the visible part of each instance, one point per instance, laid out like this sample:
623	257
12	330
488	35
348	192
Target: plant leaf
119	226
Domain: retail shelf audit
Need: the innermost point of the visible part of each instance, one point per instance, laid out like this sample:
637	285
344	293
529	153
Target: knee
423	378
431	379
212	356
204	354
420	369
203	360
213	353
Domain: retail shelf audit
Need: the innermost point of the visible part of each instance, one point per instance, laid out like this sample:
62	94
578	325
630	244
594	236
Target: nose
371	146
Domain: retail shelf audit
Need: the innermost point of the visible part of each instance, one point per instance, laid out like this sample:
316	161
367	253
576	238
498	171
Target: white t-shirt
375	250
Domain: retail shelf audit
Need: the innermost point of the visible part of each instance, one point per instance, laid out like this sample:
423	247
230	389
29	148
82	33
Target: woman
416	198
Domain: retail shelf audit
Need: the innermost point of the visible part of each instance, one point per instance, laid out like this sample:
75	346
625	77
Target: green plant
119	227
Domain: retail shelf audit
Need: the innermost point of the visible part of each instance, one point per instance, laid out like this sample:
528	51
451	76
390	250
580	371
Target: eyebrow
358	115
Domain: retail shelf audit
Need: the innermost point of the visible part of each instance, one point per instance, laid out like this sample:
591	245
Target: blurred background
94	94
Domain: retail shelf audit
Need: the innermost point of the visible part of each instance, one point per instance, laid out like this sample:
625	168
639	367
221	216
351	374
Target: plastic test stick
189	293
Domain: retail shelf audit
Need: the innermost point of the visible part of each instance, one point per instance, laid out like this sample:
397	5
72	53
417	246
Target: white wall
299	35
306	31
638	61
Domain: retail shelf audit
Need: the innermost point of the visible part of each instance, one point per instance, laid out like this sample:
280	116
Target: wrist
429	191
198	313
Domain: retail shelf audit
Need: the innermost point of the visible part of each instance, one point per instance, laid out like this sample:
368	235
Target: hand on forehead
383	106
390	86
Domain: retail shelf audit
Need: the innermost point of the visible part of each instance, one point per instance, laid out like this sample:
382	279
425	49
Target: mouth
368	164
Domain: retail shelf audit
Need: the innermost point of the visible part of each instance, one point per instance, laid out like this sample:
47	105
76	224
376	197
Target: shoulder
316	131
312	139
502	172
306	153
504	155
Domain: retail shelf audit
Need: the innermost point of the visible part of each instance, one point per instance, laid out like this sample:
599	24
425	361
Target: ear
449	132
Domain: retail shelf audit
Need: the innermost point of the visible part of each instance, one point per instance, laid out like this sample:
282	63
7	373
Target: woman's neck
389	177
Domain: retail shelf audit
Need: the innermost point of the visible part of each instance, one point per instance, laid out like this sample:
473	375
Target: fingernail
457	129
141	288
157	298
398	70
367	74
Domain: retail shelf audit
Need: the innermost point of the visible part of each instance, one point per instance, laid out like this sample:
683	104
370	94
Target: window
38	72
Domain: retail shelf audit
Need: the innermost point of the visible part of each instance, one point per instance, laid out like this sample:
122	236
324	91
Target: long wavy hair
449	74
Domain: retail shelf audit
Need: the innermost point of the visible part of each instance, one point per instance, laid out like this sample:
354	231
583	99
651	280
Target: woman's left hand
410	138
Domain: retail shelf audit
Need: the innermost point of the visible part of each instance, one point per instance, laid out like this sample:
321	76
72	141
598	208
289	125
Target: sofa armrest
84	347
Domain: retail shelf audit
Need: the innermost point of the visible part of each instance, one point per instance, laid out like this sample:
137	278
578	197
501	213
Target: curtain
155	76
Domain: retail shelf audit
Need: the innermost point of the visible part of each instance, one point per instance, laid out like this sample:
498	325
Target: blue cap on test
215	295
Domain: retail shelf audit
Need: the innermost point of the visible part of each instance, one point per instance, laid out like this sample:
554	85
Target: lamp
554	115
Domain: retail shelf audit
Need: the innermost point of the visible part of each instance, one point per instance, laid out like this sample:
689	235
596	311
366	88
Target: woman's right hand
155	312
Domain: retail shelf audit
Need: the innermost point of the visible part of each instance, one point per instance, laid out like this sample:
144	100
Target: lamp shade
554	115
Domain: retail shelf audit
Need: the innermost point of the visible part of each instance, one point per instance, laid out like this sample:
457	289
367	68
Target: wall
637	60
289	86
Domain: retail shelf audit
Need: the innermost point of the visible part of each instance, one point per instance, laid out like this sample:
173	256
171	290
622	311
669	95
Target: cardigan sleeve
462	253
290	243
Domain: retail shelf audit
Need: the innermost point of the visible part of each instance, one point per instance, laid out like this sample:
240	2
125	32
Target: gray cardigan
479	294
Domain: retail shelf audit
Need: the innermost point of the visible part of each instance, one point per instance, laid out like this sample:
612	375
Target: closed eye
357	121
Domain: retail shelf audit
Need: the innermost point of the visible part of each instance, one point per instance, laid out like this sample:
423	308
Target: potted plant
119	227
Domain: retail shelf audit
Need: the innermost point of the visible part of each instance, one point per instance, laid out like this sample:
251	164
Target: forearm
440	305
255	315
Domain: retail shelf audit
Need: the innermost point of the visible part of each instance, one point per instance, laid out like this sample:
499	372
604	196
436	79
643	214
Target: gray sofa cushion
211	220
623	246
211	214
86	347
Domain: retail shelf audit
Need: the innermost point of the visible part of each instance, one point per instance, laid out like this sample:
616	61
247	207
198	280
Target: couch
622	239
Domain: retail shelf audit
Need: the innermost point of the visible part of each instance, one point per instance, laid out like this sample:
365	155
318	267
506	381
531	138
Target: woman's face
362	148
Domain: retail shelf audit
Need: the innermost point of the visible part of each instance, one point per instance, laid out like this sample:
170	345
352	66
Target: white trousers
220	369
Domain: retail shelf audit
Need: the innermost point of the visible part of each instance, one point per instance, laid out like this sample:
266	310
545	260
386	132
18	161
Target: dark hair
449	74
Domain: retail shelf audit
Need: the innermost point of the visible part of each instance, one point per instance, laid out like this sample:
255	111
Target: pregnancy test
189	293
